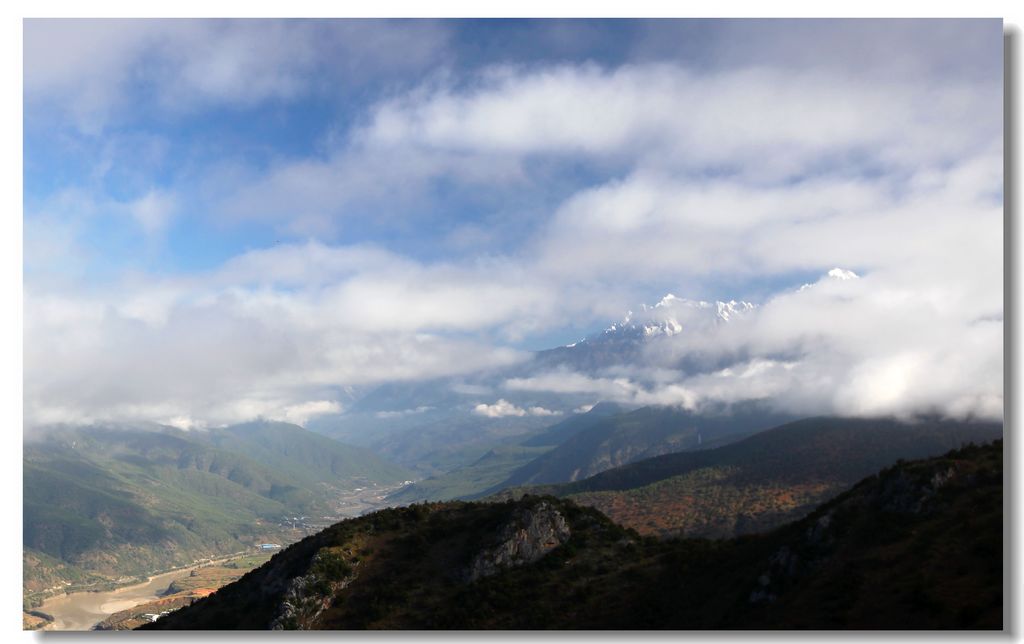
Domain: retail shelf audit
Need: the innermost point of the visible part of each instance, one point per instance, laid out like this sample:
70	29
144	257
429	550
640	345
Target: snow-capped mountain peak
838	274
666	301
673	315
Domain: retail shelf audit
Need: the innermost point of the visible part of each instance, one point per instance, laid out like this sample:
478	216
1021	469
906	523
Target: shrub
330	566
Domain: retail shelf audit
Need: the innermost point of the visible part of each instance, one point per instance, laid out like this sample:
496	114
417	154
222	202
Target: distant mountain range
759	482
738	472
915	546
500	461
624	438
584	444
385	416
422	424
102	504
623	342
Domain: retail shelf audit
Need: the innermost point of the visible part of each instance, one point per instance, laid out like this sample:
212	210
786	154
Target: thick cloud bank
846	345
454	219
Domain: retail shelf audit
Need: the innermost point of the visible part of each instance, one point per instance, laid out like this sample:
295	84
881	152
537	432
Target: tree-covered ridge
915	546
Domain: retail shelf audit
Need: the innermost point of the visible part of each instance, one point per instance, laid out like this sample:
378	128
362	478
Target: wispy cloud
96	69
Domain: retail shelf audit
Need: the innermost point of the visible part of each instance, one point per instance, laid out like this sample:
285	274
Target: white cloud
653	226
302	412
504	408
689	147
181	422
94	69
208	348
858	347
670	113
211	350
499	409
614	389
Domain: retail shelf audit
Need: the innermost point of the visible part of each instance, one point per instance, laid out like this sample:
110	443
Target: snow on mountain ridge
673	315
670	316
838	274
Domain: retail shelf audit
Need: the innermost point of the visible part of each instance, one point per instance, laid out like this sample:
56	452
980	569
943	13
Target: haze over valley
574	323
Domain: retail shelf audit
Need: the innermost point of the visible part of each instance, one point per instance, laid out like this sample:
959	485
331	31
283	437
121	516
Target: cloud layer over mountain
439	214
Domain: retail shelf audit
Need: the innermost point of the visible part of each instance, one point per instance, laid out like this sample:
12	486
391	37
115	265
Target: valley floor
85	609
81	611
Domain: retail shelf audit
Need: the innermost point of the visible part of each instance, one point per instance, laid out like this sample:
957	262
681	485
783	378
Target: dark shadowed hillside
917	546
576	424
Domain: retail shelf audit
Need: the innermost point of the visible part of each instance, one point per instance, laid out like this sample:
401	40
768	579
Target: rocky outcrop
913	494
309	595
531	533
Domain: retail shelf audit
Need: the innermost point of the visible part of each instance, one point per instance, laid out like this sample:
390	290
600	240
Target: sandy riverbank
82	610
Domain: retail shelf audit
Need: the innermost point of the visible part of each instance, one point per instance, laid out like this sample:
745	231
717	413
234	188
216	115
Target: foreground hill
762	481
104	504
918	545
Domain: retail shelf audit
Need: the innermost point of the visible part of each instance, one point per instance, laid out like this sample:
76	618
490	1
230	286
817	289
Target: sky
231	219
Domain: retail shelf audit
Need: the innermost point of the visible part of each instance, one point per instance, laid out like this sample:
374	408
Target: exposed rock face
906	493
309	595
529	535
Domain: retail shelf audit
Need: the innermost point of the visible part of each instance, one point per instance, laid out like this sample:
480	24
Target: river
83	610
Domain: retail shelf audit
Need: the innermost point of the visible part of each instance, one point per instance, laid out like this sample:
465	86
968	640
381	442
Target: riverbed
83	610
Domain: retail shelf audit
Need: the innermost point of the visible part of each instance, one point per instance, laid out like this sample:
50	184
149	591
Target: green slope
623	438
113	503
471	480
442	445
305	456
916	546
